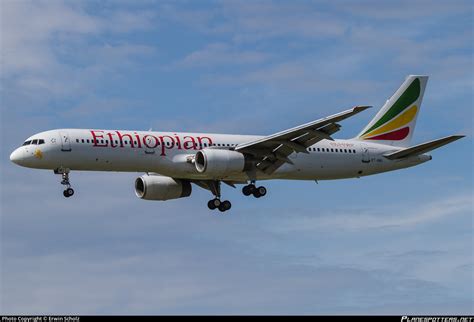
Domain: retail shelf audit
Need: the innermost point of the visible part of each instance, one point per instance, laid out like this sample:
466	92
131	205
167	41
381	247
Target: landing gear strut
251	189
68	191
216	203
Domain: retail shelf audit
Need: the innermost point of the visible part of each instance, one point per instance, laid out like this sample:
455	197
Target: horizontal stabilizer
422	148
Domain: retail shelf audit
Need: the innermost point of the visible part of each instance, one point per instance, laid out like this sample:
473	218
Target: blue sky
396	243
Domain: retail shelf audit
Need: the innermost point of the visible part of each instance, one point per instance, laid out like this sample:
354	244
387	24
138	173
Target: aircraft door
65	142
365	154
150	143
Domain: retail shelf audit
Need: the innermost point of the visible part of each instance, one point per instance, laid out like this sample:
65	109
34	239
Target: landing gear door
65	142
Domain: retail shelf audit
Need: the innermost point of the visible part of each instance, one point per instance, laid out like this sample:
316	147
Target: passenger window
345	150
318	149
77	140
116	142
82	140
332	150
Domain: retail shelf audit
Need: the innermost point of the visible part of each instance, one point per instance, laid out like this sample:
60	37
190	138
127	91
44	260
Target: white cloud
385	218
41	41
28	29
403	10
219	53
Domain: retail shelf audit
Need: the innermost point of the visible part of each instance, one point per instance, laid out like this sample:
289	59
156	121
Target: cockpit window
36	142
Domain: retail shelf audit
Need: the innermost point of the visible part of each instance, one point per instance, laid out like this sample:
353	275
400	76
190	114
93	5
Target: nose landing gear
68	191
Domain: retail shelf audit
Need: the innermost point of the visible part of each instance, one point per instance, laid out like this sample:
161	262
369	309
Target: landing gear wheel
210	205
214	203
225	205
68	192
248	189
259	192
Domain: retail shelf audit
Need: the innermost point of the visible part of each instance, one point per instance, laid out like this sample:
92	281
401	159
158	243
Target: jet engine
217	163
155	187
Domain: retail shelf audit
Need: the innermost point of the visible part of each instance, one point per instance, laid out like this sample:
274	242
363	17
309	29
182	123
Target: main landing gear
251	189
68	191
216	203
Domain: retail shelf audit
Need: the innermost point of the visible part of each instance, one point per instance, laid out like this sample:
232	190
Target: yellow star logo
38	154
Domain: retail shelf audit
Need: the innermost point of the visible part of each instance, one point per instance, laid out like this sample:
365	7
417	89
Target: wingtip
362	107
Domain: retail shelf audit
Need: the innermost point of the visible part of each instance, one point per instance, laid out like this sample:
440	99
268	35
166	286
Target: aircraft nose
16	156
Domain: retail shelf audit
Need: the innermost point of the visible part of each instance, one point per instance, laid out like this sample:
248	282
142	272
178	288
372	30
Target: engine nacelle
218	163
154	187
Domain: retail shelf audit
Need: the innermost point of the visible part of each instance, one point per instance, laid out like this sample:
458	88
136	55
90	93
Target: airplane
172	161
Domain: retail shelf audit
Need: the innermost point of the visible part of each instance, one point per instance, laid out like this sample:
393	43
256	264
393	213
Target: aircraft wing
422	148
272	151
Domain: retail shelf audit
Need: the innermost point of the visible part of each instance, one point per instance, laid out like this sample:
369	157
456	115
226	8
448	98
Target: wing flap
422	148
299	131
272	151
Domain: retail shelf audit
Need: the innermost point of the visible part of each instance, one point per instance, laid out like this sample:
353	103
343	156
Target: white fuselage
172	154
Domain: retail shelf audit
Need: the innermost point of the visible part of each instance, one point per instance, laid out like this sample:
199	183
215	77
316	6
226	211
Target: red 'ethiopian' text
116	139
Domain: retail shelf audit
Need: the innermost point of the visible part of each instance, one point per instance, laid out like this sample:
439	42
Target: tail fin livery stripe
397	135
410	95
398	122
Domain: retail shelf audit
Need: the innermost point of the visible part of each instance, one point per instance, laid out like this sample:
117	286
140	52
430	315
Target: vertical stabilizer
395	123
